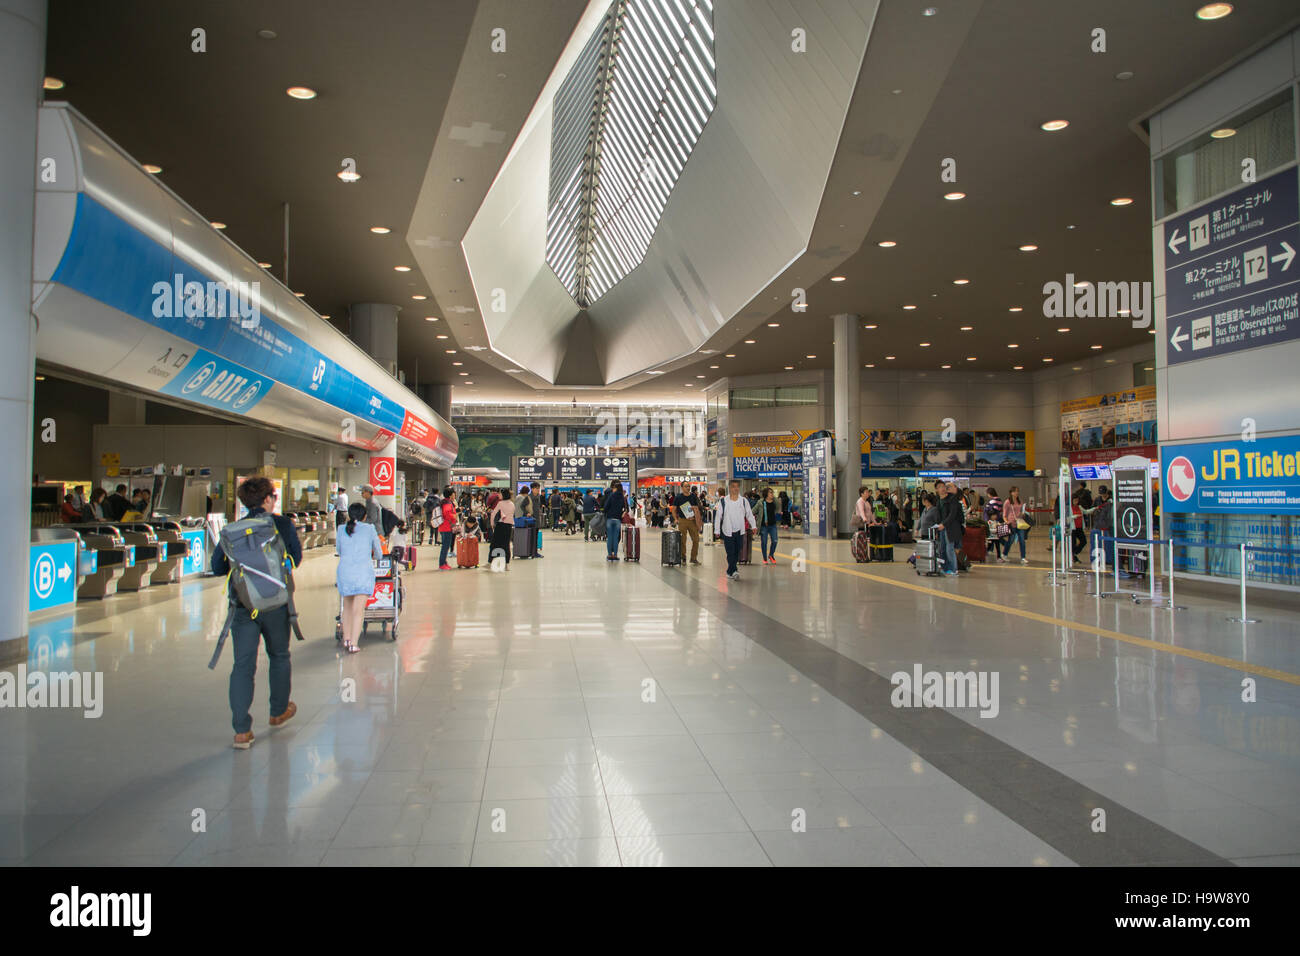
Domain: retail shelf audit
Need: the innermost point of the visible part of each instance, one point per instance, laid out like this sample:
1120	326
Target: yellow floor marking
1203	656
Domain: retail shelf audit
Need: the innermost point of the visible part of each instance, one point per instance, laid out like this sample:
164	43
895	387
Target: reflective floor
574	711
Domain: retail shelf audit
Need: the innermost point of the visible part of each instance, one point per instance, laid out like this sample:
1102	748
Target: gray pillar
848	419
22	72
126	409
374	329
438	397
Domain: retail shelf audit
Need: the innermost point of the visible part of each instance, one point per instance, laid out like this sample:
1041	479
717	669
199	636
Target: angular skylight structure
625	121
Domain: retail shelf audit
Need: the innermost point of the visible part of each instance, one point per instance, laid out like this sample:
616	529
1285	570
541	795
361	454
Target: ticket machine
111	558
172	548
149	552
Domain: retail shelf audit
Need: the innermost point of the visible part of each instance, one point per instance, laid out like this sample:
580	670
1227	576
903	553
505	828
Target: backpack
882	513
258	577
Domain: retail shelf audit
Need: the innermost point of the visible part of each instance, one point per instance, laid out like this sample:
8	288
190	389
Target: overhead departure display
572	469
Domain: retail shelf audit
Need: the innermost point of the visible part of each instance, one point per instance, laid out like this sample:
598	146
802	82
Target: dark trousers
502	538
246	633
448	545
767	535
732	542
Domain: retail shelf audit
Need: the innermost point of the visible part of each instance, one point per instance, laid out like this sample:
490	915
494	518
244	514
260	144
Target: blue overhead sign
1231	277
1232	477
52	575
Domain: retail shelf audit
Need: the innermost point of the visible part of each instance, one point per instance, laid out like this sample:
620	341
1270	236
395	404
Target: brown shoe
284	718
243	741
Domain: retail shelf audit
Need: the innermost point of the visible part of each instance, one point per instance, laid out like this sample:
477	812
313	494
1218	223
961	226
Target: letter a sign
381	475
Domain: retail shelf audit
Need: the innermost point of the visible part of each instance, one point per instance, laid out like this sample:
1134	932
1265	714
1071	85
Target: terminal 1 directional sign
1231	277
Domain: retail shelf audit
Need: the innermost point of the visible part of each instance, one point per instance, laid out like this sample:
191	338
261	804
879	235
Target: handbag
1023	524
628	519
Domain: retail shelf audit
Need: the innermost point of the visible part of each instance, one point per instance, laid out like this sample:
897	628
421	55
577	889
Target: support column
848	420
374	329
126	409
22	72
438	397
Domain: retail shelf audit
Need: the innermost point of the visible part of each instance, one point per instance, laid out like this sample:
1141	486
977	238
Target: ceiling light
468	382
751	342
810	356
514	371
925	345
699	376
1121	201
348	176
217	225
1053	125
1094	347
967	328
857	192
1062	330
152	169
690	384
715	366
837	278
324	316
1148	368
431	318
301	92
951	196
655	371
53	83
1046	360
457	363
419	298
1151	331
909	308
1012	345
730	355
462	373
1124	75
887	244
401	268
970	358
450	351
945	366
869	365
1081	284
1214	11
961	281
929	12
267	34
458	179
1015	308
380	230
774	325
869	326
442	336
1029	247
300	294
40	378
265	265
1223	133
889	358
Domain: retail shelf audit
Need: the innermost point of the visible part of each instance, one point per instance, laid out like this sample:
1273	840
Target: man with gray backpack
258	553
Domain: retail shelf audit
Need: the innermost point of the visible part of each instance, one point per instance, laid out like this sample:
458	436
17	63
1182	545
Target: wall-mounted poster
899	451
1113	420
954	460
886	440
999	461
934	438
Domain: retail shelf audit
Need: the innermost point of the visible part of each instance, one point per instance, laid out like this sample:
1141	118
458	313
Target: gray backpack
258	577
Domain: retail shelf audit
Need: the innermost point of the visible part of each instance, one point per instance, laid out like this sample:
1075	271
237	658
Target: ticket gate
149	551
85	561
173	548
111	558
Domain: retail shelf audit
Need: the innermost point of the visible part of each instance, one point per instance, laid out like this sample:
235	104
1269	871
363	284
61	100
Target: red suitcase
467	552
409	557
631	543
974	541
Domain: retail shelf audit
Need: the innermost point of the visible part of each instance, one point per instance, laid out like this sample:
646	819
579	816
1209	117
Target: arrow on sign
1175	240
65	572
1175	339
1288	254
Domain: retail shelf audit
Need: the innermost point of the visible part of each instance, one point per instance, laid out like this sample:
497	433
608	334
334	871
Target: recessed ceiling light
1046	360
837	278
715	366
970	358
380	230
1094	347
457	363
468	382
1122	201
1029	247
1124	75
348	175
925	345
869	326
431	318
730	355
1151	331
1148	368
301	92
774	325
324	316
1076	368
929	12
1012	345
1214	11
967	328
514	371
889	358
887	244
53	83
300	294
961	281
1053	125
810	356
655	371
952	196
401	268
1082	284
419	298
699	376
1110	361
266	34
1223	133
152	168
462	373
690	384
751	341
442	336
265	265
40	378
217	225
450	351
1017	368
1015	308
458	179
945	366
1062	330
909	308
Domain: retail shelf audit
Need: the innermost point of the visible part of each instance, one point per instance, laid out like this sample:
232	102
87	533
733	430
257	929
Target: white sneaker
734	575
1024	560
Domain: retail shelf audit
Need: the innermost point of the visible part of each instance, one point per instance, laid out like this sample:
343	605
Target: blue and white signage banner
52	574
1232	477
217	383
193	563
1231	277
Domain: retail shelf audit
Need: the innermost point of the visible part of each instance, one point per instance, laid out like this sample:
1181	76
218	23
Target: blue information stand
52	575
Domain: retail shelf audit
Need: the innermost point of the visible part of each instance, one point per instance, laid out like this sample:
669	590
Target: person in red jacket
447	527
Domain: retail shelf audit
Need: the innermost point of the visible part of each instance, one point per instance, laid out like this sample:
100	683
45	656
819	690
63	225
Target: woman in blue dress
358	544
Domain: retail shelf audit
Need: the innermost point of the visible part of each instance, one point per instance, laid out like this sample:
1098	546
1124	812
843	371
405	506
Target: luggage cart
385	604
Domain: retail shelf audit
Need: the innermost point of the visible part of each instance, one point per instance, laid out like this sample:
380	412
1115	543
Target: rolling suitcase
974	541
882	544
410	557
631	543
860	544
746	548
670	549
523	542
928	555
467	552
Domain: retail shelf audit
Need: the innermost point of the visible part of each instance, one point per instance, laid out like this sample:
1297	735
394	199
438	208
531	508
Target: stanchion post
1171	574
1243	619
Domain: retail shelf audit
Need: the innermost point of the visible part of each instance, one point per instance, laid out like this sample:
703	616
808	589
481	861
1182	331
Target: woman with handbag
1017	520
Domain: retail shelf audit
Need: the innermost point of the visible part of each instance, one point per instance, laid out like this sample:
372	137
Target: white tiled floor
574	712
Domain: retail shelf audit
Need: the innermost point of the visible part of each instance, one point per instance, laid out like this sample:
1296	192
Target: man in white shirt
732	520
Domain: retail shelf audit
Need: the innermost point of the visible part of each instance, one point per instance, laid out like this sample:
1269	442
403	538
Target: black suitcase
670	548
524	543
